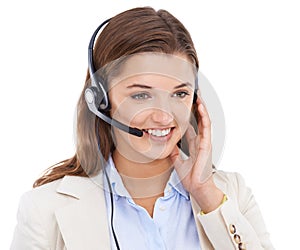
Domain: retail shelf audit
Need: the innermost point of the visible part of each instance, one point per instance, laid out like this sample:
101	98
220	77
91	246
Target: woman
142	176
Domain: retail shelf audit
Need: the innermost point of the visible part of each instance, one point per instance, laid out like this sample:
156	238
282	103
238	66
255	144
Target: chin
159	153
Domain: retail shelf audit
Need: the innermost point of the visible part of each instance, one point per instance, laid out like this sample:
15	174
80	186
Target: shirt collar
118	188
175	183
115	179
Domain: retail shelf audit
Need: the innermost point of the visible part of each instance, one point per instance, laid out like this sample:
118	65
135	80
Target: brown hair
133	31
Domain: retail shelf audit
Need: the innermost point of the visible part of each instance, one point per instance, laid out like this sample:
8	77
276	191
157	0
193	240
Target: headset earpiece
95	97
100	95
91	96
102	98
195	97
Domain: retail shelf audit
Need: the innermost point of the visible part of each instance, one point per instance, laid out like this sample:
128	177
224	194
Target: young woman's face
153	93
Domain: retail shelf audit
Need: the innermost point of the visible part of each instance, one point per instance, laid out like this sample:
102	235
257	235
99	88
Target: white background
249	51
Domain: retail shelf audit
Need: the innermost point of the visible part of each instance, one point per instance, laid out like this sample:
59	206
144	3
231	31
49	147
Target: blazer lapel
83	220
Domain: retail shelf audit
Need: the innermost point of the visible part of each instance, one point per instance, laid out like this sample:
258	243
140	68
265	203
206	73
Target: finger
192	140
206	171
190	133
204	125
181	166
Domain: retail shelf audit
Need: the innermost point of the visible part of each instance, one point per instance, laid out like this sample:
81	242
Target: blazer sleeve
29	232
238	223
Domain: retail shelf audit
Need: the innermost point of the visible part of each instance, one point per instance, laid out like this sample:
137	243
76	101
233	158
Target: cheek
130	116
128	112
182	115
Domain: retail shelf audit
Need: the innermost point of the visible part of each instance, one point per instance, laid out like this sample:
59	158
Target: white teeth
158	132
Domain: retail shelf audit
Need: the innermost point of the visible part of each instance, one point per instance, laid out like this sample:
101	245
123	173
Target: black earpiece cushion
195	97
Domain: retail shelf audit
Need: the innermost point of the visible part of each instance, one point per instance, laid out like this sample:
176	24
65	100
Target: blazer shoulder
41	200
60	192
42	192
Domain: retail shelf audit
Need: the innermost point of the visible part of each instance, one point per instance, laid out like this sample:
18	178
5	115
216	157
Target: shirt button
162	208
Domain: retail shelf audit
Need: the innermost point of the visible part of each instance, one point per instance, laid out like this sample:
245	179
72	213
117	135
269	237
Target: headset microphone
90	100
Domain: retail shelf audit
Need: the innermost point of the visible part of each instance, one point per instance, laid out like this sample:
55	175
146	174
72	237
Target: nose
161	117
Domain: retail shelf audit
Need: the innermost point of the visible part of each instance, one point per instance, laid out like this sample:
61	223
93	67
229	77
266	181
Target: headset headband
91	47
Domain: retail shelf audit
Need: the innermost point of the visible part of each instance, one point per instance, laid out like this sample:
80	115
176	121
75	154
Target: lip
159	138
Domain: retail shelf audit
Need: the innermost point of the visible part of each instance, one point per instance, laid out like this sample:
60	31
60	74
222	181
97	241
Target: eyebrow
149	87
183	85
139	86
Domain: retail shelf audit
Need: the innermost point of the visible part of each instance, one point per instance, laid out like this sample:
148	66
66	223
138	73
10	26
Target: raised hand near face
196	171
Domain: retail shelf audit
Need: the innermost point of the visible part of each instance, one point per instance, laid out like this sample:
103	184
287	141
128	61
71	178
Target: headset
96	96
97	100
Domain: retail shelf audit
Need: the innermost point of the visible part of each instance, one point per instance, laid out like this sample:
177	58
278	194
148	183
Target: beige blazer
70	213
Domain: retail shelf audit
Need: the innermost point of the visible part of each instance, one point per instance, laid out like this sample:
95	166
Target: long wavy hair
133	31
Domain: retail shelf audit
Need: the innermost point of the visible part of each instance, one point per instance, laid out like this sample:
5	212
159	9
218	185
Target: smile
158	132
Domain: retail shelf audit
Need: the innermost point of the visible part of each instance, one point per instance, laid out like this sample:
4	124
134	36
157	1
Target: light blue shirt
172	227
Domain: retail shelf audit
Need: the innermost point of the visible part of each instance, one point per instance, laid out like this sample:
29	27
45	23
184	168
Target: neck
143	180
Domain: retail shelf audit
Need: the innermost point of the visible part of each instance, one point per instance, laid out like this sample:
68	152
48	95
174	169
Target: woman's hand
195	173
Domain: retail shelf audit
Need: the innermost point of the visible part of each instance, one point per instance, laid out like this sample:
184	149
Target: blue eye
181	94
141	96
